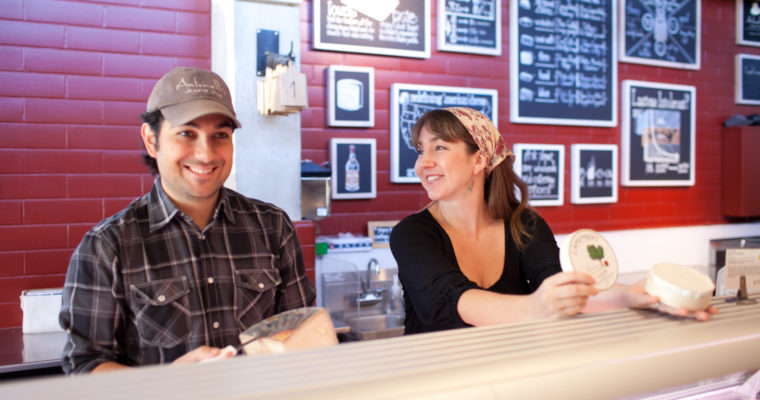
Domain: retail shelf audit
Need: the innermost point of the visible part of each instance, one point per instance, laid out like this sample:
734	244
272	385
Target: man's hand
199	354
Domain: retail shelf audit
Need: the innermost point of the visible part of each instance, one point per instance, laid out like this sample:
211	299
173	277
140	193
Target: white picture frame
542	168
601	184
748	23
649	158
361	184
350	96
650	36
481	33
409	102
358	26
747	79
548	84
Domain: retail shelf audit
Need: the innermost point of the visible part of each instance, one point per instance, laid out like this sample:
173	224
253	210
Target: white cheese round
587	251
679	286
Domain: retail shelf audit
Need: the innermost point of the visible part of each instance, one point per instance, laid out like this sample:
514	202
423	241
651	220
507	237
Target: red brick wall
74	76
636	207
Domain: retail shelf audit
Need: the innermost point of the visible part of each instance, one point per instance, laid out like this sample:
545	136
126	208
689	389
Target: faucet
372	264
367	296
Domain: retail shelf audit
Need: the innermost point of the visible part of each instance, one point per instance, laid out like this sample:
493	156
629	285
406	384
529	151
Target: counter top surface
21	352
609	354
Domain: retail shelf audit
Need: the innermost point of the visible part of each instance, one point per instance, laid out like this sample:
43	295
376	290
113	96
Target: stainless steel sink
377	326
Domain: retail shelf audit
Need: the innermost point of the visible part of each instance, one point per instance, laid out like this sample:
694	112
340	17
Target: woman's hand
635	296
565	293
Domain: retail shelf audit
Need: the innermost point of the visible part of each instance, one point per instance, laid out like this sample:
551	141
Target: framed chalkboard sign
747	79
350	96
748	22
409	102
563	63
470	26
658	134
354	168
665	33
380	233
393	28
594	173
542	167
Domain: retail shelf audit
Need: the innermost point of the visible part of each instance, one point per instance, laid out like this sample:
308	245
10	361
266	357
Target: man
180	272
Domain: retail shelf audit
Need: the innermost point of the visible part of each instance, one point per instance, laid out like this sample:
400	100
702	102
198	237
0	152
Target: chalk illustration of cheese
679	286
301	328
587	251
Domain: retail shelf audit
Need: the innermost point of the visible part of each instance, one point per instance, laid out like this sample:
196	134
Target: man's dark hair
154	120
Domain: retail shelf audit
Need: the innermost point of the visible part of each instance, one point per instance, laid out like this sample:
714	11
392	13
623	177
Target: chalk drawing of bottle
352	171
591	171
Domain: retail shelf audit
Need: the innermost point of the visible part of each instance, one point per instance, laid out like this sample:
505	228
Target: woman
478	255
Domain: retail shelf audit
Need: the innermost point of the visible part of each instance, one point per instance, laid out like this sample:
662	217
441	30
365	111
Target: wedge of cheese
587	251
679	286
301	328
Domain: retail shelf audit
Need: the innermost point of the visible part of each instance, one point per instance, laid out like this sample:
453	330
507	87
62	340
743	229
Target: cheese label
743	262
587	251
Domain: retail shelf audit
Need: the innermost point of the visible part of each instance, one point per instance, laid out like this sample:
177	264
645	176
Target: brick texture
636	208
47	262
63	61
74	76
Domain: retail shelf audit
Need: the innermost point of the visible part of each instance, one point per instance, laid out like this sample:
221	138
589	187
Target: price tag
293	89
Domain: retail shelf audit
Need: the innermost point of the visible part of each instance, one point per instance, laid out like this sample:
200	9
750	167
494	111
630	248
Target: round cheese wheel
587	251
679	286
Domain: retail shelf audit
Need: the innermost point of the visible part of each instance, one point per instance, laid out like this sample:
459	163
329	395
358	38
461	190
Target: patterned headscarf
486	135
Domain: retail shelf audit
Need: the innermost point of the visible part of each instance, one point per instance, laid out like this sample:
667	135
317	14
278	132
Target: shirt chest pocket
162	311
256	295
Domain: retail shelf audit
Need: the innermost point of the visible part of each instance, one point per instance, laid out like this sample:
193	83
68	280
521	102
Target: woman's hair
154	119
501	184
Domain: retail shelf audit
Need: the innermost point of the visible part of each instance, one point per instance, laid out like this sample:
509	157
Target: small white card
743	262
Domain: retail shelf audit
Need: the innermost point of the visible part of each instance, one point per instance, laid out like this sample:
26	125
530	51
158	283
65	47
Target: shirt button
210	280
261	285
161	298
202	237
216	325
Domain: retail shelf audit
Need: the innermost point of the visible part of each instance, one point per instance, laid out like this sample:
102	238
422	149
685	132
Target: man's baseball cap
186	93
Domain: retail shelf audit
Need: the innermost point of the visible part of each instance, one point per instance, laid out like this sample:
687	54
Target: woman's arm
565	293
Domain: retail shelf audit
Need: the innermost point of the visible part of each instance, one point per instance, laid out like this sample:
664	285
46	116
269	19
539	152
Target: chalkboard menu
658	134
747	81
542	168
470	26
664	33
397	28
563	69
409	102
748	22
